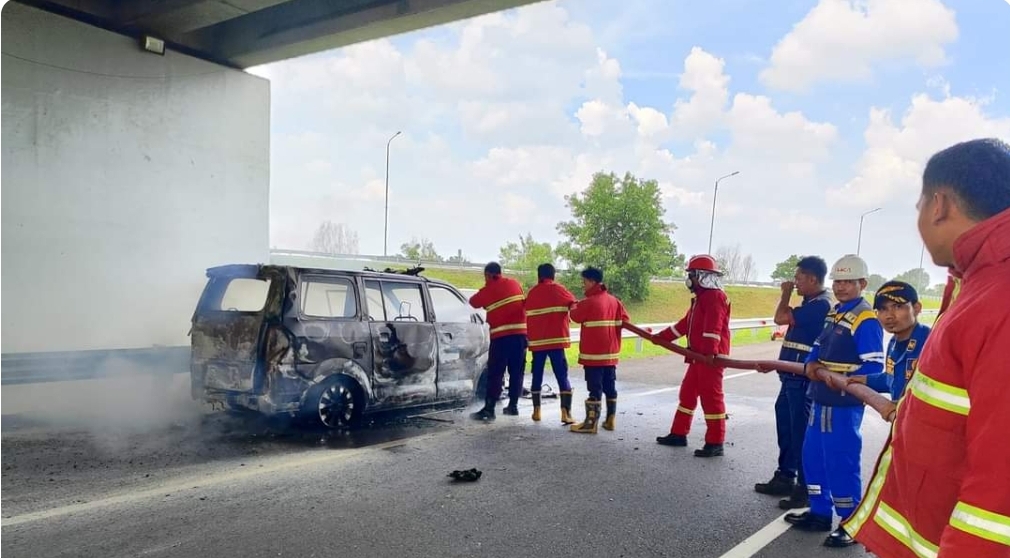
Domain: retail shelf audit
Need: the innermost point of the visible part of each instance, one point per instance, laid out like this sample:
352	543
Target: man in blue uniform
852	343
792	408
897	305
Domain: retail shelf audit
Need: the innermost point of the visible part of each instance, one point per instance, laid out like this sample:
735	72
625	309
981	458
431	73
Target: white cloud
842	41
891	167
704	77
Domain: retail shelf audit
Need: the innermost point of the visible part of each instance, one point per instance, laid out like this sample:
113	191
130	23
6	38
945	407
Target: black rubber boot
710	450
672	440
779	486
512	408
487	413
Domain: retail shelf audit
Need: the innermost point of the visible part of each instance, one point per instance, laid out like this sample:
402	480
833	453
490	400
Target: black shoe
807	521
710	450
484	414
798	499
778	486
510	410
839	539
672	440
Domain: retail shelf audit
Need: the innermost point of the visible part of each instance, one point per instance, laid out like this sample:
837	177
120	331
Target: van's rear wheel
336	403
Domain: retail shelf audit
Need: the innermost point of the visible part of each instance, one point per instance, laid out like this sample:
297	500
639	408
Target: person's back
549	334
944	477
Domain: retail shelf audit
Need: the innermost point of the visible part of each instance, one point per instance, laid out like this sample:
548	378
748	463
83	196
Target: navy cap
897	292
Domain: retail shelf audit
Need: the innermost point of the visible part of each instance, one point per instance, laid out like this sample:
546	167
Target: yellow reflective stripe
717	416
503	302
840	367
981	523
862	317
610	356
685	410
603	323
797	346
899	528
939	394
858	519
548	310
507	327
542	342
711	336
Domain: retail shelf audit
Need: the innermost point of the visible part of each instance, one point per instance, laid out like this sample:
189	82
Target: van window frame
324	278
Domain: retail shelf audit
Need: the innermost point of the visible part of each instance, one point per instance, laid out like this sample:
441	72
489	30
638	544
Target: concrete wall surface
125	174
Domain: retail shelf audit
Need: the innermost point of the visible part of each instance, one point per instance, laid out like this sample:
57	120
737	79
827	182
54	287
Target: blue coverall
851	343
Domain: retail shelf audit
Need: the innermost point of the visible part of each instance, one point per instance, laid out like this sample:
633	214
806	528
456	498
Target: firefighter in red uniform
547	306
503	300
602	316
706	326
941	488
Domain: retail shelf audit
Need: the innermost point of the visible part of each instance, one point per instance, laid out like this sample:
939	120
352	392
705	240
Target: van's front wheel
335	403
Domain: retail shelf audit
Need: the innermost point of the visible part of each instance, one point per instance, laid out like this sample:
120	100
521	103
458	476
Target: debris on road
470	475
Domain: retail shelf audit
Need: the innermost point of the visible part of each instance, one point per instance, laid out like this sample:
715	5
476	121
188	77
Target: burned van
333	345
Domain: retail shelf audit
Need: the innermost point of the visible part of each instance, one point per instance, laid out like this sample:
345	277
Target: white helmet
849	268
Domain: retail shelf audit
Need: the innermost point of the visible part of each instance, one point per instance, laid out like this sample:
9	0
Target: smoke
126	402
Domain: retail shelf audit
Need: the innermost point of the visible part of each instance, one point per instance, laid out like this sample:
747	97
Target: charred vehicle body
332	345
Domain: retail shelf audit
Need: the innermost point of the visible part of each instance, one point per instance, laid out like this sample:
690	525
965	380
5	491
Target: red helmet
703	262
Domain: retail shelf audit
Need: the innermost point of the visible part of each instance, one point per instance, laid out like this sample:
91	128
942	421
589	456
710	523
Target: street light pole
715	194
385	230
859	241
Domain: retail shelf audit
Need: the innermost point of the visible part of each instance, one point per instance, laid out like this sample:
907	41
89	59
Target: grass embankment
667	302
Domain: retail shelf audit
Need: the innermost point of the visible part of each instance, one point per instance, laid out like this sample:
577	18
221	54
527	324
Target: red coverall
706	326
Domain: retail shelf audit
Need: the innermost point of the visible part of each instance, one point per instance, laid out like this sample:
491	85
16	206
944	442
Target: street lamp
714	195
859	241
385	230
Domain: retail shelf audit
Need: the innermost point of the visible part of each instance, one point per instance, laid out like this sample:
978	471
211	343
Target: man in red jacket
547	329
942	484
706	326
602	316
503	300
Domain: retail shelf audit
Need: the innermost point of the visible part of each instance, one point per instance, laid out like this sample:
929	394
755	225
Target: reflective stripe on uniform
940	395
542	342
981	523
603	323
840	367
548	310
507	327
797	346
899	528
610	356
711	336
504	301
859	518
715	416
685	410
872	357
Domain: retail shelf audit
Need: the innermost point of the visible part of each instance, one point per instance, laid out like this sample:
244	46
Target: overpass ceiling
244	33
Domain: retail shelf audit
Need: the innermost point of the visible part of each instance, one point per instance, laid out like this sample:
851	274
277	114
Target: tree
420	250
786	269
459	258
335	238
874	282
526	254
734	265
617	225
936	290
917	277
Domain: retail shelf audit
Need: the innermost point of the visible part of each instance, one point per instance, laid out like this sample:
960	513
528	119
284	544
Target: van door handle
359	349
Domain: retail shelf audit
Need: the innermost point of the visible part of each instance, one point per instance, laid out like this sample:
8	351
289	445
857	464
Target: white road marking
754	543
675	388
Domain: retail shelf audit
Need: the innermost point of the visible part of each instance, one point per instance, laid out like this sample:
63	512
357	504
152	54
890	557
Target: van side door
462	343
403	340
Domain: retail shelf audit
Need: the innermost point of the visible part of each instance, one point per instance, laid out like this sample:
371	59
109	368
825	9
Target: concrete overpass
128	172
244	33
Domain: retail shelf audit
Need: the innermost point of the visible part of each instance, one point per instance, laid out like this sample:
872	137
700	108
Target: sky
828	109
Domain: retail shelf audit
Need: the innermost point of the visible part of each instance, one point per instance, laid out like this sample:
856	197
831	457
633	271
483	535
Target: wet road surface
235	485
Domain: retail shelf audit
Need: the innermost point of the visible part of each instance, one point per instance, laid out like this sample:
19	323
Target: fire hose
883	405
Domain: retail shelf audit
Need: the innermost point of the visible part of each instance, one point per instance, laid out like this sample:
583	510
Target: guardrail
30	368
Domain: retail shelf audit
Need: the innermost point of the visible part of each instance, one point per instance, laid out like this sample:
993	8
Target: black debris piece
470	475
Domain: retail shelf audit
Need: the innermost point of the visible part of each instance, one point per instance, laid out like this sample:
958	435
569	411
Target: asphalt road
193	484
